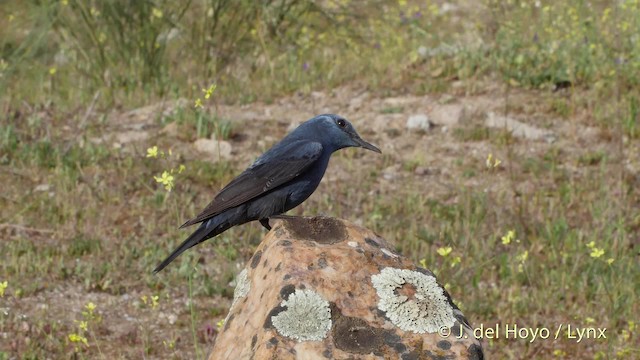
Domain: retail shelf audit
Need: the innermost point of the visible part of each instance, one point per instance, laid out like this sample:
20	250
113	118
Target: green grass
83	220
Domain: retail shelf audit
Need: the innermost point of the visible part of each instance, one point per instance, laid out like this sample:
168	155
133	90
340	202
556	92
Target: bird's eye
341	123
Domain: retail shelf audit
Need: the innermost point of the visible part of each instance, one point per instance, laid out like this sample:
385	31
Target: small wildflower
423	263
559	353
220	324
506	240
198	103
596	253
589	320
181	168
11	17
154	301
610	261
492	162
144	299
169	344
455	261
157	13
65	2
209	91
165	179
91	307
83	325
3	287
522	258
75	338
52	71
152	152
591	245
94	12
444	251
102	37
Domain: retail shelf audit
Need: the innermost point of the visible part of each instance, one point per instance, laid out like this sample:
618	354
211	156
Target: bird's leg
265	223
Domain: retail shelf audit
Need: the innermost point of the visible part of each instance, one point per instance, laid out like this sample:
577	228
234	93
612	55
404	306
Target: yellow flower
90	306
423	263
181	168
596	253
610	261
152	152
52	71
444	251
589	320
165	179
220	324
559	353
75	338
144	299
492	162
455	261
83	325
591	245
155	12
209	91
11	17
509	237
198	103
523	257
3	287
154	301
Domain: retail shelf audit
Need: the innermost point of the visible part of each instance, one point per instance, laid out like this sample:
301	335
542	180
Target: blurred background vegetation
59	58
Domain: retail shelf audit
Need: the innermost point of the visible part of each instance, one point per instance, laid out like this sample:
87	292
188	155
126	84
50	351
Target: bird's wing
265	175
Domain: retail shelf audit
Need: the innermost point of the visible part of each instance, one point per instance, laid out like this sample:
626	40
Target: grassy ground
549	236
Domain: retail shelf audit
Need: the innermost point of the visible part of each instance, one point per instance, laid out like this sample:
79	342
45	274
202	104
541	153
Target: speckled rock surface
322	288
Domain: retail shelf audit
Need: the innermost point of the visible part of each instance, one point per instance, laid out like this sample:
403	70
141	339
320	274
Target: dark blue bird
279	180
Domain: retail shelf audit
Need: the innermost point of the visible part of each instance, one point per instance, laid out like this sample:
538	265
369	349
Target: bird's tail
205	231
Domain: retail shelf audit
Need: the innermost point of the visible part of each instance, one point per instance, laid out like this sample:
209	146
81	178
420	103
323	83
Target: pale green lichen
427	311
243	285
307	316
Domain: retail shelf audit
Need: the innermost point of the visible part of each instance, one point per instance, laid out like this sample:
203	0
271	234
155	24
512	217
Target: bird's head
335	131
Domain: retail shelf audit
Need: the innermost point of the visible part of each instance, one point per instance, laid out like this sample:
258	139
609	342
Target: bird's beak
363	144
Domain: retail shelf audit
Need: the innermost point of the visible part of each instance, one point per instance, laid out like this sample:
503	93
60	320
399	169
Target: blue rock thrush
279	180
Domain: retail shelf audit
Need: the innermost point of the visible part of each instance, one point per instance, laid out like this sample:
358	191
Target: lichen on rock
307	316
243	285
413	301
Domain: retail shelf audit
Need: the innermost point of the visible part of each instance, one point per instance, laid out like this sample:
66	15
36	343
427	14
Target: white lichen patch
243	285
426	311
353	244
388	253
307	317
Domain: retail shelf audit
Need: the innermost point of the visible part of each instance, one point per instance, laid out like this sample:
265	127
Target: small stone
418	122
170	129
421	170
42	188
126	137
215	148
448	114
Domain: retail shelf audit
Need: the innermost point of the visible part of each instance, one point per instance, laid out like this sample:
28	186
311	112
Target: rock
518	129
171	129
448	115
319	288
218	149
418	122
126	137
42	188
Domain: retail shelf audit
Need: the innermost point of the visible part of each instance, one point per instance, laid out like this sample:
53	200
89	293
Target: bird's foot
265	223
